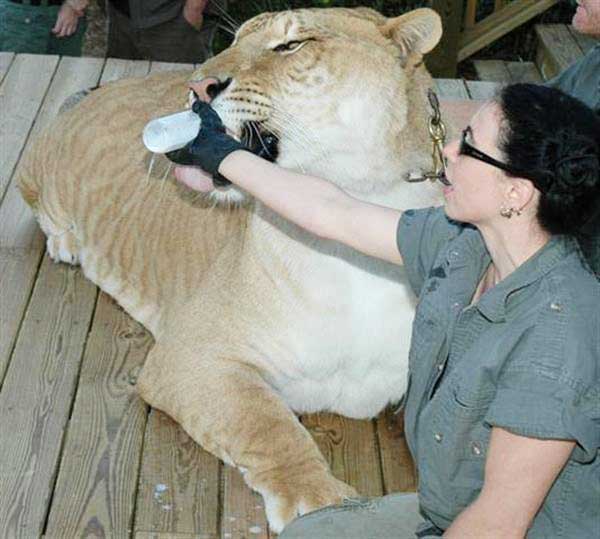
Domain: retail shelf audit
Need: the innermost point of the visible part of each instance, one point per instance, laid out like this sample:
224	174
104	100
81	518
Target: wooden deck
80	454
559	45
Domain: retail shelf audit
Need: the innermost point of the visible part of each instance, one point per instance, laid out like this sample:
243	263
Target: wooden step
558	47
507	72
501	22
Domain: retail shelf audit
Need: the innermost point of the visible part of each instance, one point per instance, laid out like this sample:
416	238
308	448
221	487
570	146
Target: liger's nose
201	88
208	88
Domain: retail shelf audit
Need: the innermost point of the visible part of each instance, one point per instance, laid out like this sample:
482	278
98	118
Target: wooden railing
464	35
506	17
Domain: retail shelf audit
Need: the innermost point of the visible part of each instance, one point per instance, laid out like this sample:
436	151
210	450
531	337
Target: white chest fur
343	325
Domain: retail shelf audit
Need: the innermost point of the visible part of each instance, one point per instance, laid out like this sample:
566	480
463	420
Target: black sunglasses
466	149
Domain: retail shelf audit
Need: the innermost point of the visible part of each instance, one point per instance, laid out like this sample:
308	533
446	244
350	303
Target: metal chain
437	132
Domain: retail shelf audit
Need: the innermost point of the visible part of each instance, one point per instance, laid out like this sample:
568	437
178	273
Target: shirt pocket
467	404
461	440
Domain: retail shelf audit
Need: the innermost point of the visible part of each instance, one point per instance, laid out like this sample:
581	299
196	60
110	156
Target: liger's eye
290	46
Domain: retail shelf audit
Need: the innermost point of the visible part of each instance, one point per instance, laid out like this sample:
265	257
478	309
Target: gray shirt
582	79
526	357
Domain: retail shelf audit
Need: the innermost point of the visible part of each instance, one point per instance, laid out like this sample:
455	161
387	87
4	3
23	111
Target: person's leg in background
122	37
25	28
178	41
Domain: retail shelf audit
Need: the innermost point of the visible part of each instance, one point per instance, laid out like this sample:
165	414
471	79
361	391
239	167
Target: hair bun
573	162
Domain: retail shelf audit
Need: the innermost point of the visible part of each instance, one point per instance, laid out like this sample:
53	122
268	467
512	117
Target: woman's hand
312	203
66	21
211	145
195	178
193	12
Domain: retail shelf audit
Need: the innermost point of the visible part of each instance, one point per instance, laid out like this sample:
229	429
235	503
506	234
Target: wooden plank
492	70
557	49
585	42
500	23
156	535
18	268
451	89
37	394
350	447
482	90
179	484
470	13
399	474
6	59
97	482
117	68
21	95
73	74
21	241
243	512
156	67
524	72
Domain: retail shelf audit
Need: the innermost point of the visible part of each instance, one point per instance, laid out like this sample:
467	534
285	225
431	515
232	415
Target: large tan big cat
253	318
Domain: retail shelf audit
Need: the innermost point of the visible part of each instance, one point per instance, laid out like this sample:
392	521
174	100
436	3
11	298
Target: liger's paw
289	497
63	248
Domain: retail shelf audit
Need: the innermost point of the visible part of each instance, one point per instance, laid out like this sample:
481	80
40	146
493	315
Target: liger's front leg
229	409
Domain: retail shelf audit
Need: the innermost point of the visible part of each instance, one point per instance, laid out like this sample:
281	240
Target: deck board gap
220	498
83	351
29	131
6	61
380	464
23	316
65	435
132	527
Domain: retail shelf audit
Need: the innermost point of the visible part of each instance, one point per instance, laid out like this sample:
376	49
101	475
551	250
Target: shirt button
476	449
440	367
555	306
438	437
27	20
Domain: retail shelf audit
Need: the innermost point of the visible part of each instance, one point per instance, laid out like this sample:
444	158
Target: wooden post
442	61
471	13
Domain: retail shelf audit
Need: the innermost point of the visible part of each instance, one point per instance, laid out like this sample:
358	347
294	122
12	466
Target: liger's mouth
254	137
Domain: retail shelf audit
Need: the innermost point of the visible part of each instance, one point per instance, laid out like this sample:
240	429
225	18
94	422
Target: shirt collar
493	303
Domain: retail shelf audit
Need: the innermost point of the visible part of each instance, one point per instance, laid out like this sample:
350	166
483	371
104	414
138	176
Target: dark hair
557	138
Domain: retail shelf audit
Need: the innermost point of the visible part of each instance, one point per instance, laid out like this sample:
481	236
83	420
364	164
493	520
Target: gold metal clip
437	133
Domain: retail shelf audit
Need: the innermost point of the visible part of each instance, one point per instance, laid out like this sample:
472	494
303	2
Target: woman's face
587	17
477	189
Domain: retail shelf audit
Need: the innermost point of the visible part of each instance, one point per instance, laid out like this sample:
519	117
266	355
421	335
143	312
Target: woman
503	409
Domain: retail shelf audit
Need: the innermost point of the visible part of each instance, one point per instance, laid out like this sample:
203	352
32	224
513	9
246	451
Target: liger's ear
415	32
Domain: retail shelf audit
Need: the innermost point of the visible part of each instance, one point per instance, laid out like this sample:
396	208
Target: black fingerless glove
211	145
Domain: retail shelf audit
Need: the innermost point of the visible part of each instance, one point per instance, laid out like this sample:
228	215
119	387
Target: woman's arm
519	472
313	204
